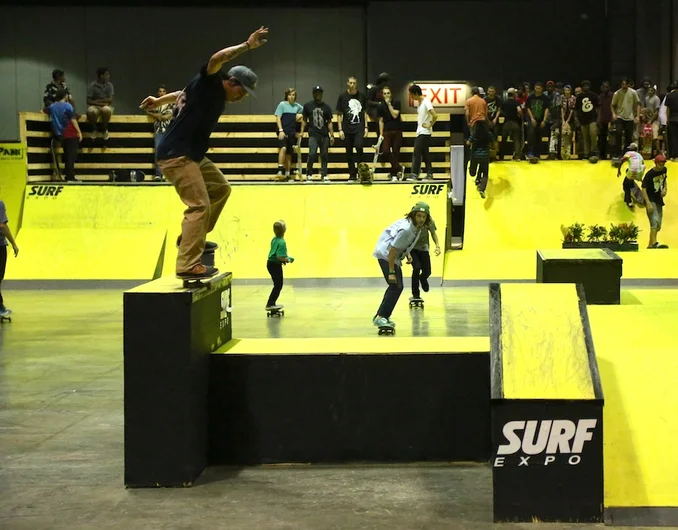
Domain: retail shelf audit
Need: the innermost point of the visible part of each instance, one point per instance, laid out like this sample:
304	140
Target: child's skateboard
647	141
533	159
594	159
275	312
6	317
386	330
416	302
377	146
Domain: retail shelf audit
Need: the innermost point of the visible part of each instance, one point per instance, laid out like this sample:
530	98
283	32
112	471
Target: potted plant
597	233
572	235
623	236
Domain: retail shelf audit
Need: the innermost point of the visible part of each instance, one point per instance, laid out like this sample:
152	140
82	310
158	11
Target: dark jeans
534	135
624	135
157	138
354	140
514	130
275	269
70	147
315	143
480	169
603	130
421	146
672	130
393	141
421	269
393	292
3	264
629	187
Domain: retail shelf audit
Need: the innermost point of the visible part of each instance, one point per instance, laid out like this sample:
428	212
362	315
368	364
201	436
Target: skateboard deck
417	302
386	330
375	158
7	317
534	159
190	282
299	163
275	312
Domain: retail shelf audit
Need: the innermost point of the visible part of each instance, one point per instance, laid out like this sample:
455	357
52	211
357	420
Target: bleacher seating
244	147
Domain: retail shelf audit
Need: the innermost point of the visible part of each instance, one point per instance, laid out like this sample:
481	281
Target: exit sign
445	95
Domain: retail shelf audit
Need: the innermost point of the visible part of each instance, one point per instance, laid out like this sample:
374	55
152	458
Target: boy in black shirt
352	123
586	108
513	123
654	190
537	106
317	116
493	112
391	129
200	184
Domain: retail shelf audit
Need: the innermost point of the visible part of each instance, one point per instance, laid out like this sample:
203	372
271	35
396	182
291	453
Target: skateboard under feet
386	330
275	312
192	282
416	302
7	317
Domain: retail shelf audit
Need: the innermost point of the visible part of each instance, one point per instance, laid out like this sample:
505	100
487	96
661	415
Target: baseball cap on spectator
633	146
481	90
550	83
246	77
511	91
659	159
317	88
568	86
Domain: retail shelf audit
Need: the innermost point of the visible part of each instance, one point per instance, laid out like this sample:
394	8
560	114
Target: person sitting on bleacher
100	102
58	82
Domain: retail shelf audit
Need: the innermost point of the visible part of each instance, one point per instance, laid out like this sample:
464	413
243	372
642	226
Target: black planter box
631	246
599	270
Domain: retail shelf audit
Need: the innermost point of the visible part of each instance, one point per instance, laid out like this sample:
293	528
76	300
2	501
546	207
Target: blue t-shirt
60	115
197	113
287	112
3	219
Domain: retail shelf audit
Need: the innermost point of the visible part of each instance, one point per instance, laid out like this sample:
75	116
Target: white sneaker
5	312
93	135
326	178
106	135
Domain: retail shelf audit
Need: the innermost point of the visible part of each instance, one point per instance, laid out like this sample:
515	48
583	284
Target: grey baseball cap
245	77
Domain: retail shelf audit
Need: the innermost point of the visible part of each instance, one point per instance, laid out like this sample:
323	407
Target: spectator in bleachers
426	118
604	118
567	112
493	113
555	118
662	120
651	116
513	123
100	102
375	96
58	82
287	114
625	110
352	124
65	130
538	112
391	129
476	107
162	117
586	107
317	116
643	91
672	121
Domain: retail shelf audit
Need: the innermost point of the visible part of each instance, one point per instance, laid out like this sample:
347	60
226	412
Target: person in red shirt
66	131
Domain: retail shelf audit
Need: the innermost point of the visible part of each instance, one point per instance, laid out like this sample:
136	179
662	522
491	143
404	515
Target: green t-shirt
422	242
278	249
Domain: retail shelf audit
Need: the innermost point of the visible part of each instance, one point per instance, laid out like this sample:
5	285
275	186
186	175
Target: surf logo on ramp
45	191
427	189
547	438
11	153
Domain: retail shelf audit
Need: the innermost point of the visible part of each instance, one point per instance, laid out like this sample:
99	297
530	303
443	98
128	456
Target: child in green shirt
277	257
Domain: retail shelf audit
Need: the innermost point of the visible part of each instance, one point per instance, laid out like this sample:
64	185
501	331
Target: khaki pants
204	190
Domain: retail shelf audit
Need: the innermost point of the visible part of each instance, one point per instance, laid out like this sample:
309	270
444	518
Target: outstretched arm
258	38
151	102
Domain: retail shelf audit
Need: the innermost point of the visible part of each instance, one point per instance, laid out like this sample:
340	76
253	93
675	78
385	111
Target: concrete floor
61	427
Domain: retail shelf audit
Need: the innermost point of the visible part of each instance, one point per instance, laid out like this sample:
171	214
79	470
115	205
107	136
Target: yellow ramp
543	348
91	232
331	229
636	349
525	206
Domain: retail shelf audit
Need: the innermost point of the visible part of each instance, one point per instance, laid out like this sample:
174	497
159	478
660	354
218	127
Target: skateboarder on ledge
181	154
